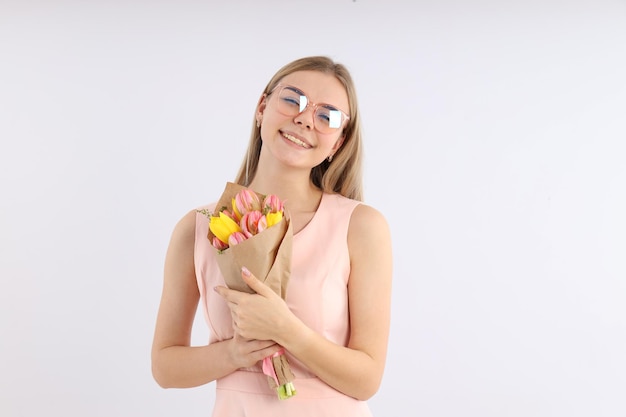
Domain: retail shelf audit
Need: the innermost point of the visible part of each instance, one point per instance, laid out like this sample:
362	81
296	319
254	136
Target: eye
329	115
291	101
323	115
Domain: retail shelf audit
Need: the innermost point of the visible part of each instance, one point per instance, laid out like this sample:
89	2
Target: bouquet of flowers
254	230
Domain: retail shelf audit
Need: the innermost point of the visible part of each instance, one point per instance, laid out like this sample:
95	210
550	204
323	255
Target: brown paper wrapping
283	371
267	255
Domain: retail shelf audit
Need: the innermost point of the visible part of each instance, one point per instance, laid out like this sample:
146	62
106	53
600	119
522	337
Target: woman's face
295	140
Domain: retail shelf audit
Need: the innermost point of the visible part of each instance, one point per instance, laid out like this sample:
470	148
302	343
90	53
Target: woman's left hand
261	316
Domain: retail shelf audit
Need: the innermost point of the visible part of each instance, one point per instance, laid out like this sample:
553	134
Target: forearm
348	370
191	366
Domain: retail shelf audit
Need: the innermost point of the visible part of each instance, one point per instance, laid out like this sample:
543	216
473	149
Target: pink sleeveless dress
317	294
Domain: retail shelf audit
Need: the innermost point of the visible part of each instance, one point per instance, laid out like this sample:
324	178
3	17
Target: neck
294	187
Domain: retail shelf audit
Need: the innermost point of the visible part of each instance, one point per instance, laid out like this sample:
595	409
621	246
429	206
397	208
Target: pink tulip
232	215
236	238
218	244
252	223
246	201
272	204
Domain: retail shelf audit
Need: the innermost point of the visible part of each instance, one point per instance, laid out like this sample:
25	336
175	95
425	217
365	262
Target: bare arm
174	362
355	370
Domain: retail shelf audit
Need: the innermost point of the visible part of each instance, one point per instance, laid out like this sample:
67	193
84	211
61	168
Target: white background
494	139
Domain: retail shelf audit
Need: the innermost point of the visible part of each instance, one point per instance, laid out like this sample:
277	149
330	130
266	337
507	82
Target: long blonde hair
344	174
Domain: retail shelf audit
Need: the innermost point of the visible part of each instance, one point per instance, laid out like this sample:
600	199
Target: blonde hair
344	174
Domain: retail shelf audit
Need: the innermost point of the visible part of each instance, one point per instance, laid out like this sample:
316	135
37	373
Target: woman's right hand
245	353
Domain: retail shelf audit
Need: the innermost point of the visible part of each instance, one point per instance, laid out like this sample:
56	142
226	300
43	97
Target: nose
305	118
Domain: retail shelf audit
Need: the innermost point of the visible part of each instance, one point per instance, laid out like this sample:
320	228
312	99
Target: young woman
305	148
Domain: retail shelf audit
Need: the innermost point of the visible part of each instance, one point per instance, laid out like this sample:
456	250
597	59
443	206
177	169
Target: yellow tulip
273	218
223	226
236	212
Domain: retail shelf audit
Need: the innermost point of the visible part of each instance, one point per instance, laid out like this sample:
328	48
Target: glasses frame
309	104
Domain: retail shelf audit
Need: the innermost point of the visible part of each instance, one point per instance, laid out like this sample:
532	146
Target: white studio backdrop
494	140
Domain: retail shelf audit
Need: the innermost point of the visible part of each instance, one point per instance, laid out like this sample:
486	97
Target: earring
330	158
258	123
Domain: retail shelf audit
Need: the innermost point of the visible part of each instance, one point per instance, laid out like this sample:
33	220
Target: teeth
295	140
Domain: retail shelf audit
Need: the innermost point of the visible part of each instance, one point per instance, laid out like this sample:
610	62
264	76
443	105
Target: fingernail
245	271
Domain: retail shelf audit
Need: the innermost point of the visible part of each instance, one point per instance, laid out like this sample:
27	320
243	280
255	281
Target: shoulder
185	228
369	238
367	222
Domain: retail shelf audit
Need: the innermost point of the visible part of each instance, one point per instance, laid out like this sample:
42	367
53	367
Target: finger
254	283
262	344
221	290
231	296
268	351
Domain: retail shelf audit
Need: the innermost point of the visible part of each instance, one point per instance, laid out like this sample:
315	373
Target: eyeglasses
291	102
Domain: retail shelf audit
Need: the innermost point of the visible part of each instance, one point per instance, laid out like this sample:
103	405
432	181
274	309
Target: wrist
294	333
233	360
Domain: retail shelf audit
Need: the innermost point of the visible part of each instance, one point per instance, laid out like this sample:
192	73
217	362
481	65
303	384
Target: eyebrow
295	89
325	105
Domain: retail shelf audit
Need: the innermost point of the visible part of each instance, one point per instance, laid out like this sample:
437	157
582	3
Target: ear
260	107
338	143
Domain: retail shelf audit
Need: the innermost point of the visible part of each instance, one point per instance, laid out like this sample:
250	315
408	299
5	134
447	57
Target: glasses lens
327	118
291	102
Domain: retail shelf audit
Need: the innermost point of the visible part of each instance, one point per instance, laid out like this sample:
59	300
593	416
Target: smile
296	140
